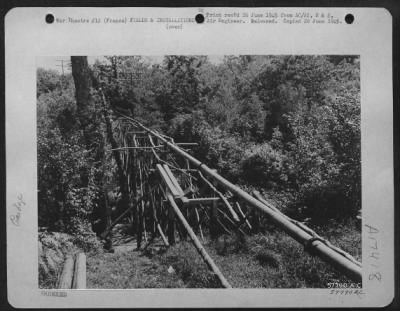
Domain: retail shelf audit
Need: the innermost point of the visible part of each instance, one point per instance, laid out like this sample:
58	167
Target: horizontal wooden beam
168	181
187	144
196	201
173	179
127	148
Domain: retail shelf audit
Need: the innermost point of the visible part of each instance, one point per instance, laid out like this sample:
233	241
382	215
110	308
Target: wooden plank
79	281
200	201
173	179
67	273
210	263
187	144
167	180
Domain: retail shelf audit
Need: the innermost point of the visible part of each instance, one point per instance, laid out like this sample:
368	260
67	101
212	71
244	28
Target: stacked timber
73	274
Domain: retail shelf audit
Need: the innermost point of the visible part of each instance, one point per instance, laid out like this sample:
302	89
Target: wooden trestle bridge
170	194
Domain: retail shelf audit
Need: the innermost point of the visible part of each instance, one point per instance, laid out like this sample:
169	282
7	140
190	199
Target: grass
268	260
128	270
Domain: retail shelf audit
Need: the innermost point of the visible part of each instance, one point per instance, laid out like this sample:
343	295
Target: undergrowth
272	259
53	248
266	260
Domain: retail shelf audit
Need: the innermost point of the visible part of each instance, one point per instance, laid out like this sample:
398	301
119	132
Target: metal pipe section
318	248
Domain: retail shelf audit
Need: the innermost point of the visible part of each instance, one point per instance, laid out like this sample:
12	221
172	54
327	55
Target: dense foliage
288	125
69	189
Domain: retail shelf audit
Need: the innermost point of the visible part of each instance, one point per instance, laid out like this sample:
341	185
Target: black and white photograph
199	171
211	157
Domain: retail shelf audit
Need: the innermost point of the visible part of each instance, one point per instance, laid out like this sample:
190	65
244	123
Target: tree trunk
83	83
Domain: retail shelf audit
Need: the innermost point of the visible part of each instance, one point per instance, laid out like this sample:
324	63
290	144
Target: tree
83	83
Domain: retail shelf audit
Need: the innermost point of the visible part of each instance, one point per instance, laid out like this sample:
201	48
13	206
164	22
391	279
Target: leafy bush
226	244
264	166
68	182
268	258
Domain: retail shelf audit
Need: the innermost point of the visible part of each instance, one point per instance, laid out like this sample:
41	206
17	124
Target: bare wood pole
171	225
162	235
213	186
158	224
115	222
139	223
67	273
198	223
108	230
185	208
143	205
154	222
319	248
243	215
80	272
210	263
154	215
152	227
235	225
182	233
155	218
139	227
214	220
134	210
218	221
163	212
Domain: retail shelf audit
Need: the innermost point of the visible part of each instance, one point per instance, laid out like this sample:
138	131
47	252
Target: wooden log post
198	223
142	205
79	281
171	225
108	237
244	217
144	223
214	218
210	263
139	226
65	281
183	231
256	219
152	214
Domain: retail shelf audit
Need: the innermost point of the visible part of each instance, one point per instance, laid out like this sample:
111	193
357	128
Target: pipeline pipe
320	249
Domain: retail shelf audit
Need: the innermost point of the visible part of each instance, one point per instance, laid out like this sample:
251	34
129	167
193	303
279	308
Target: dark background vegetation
288	126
